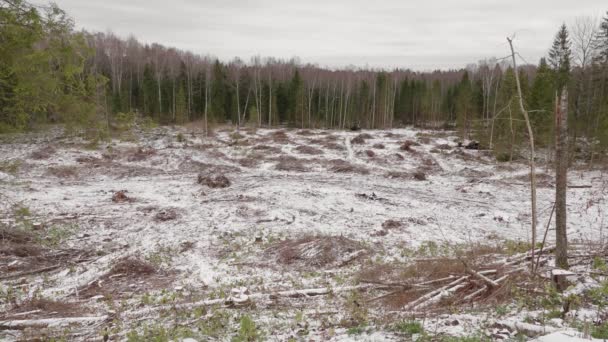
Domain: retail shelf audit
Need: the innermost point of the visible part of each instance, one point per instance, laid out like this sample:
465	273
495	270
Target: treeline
49	73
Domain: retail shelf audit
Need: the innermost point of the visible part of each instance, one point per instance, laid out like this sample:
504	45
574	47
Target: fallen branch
49	322
40	270
527	328
430	295
489	282
230	300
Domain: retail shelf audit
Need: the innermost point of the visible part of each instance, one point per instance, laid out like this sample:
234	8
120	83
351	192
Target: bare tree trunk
532	152
561	180
207	85
374	106
269	97
238	104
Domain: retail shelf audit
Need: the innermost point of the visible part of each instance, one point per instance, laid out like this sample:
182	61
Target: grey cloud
417	34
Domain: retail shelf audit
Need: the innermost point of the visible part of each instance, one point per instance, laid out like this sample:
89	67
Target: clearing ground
273	234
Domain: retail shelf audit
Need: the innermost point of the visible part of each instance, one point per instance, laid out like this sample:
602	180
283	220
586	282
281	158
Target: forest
51	73
153	194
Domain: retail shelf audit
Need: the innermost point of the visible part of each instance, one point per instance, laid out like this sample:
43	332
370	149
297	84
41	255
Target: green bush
409	327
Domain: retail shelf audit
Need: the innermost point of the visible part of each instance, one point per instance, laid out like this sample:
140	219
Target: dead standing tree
561	179
532	152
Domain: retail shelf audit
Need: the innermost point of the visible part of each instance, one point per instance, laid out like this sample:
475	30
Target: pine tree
560	57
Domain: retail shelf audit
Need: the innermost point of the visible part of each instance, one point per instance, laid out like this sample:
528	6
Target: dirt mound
443	147
379	146
62	171
165	215
370	153
251	161
279	137
305	132
333	146
308	150
269	149
132	267
43	153
288	163
343	166
472	173
360	139
128	275
407	145
391	224
418	175
121	197
140	154
319	251
214	182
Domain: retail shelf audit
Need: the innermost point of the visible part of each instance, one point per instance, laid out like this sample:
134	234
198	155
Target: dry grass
379	146
15	235
40	307
370	153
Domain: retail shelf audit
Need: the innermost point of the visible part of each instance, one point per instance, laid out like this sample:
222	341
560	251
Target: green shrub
248	332
409	327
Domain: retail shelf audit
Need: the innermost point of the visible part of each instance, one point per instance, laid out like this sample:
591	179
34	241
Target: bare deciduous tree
532	152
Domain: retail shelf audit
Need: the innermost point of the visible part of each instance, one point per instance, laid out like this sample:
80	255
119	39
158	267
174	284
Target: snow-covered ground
219	238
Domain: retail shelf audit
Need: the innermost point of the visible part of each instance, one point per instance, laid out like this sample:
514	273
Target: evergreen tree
601	42
464	106
219	92
542	98
560	57
296	100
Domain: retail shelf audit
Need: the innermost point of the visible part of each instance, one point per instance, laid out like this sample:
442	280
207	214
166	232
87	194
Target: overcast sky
421	35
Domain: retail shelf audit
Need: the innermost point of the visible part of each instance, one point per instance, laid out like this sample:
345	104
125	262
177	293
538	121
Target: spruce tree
560	56
542	97
601	42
